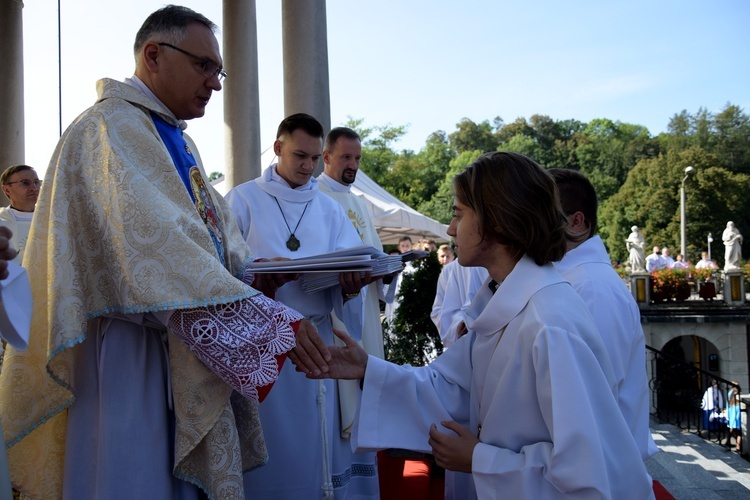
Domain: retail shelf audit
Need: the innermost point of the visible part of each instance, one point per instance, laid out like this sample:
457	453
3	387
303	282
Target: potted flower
669	284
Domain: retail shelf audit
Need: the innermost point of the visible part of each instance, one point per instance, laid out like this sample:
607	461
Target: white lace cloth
239	341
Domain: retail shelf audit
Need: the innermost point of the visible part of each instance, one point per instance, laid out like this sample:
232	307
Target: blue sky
427	64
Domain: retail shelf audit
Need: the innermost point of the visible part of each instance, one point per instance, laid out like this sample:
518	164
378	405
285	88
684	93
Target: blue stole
191	177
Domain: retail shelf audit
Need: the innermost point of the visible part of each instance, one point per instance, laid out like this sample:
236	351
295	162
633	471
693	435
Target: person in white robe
282	213
342	153
588	268
667	258
457	286
21	186
149	350
654	261
706	262
521	406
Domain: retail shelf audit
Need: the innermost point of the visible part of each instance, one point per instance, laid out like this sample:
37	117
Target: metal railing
679	394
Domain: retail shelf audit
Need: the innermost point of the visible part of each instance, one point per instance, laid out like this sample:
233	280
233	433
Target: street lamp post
710	239
683	240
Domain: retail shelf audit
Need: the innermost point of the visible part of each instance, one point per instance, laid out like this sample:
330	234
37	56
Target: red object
661	493
707	291
408	479
280	358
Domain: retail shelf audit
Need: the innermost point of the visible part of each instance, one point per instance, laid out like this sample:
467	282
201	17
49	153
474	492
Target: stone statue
733	247
636	248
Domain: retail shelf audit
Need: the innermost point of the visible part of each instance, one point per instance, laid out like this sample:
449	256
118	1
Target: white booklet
360	258
15	307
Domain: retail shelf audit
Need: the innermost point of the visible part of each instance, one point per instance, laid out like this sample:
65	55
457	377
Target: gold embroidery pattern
358	223
116	231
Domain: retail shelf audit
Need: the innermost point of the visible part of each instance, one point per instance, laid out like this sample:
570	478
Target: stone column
242	146
306	61
12	145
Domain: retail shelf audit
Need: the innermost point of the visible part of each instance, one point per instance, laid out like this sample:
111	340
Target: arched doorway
684	370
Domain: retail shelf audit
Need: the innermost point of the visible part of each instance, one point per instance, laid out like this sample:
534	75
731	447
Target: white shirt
654	262
705	264
20	224
457	286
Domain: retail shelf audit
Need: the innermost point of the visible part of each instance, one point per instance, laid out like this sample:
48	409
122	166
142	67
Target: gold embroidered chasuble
117	232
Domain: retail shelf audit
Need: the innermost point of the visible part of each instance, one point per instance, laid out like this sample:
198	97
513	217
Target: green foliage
650	199
637	177
726	134
470	136
413	339
377	152
214	175
439	206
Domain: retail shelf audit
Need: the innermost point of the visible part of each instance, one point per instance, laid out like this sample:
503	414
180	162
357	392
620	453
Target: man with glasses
21	186
149	349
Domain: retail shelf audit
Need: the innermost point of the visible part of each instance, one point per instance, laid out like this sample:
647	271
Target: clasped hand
453	451
345	362
310	355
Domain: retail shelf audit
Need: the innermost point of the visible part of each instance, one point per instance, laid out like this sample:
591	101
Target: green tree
471	136
377	147
413	339
732	127
650	199
438	207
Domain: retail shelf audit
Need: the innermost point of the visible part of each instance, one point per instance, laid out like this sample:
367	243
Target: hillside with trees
637	175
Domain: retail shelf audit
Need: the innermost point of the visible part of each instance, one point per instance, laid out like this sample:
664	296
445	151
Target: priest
149	349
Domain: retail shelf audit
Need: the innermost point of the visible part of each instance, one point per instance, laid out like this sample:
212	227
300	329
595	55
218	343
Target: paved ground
692	468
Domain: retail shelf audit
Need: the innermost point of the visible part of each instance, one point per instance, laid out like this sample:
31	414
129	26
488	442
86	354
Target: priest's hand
351	282
7	252
453	452
310	355
347	362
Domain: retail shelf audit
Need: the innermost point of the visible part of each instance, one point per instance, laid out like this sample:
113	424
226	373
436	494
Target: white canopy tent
392	217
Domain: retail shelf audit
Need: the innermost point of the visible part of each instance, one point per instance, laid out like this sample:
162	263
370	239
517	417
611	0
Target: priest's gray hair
169	25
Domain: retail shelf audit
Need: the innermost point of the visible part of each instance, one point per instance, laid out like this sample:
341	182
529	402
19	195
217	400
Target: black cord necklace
292	243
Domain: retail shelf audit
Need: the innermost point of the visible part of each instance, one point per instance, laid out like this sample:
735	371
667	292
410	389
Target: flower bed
670	284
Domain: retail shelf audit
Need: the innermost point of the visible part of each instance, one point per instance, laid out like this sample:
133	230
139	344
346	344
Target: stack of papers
322	271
